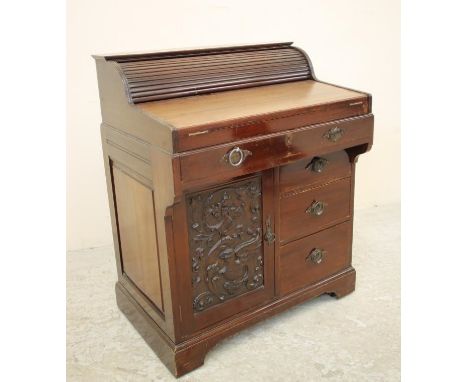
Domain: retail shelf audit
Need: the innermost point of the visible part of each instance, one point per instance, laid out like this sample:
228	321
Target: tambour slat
157	76
201	72
212	58
209	78
171	63
189	66
210	84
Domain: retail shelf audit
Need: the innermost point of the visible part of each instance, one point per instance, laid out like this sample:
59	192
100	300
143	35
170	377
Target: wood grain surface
157	76
206	245
300	174
296	222
137	233
297	270
187	112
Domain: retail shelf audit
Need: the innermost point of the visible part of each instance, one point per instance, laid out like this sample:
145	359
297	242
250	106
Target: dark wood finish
190	354
298	219
273	149
138	234
226	236
313	171
216	200
296	267
134	157
231	268
156	77
223	117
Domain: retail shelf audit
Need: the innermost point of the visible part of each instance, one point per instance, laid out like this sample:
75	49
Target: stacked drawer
315	229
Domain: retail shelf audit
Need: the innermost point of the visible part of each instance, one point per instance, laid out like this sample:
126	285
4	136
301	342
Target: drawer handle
334	134
317	255
236	156
316	208
270	236
317	164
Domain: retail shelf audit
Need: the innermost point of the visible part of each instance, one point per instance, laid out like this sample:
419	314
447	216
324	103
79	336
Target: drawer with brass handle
236	156
230	175
314	258
314	171
315	153
312	209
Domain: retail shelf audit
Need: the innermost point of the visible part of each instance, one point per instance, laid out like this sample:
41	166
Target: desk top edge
248	103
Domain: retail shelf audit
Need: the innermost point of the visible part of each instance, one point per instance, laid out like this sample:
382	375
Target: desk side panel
139	188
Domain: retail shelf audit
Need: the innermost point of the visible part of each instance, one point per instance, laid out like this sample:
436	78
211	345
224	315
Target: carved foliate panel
225	234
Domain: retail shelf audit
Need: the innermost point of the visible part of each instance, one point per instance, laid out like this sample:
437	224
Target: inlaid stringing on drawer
311	209
314	171
274	150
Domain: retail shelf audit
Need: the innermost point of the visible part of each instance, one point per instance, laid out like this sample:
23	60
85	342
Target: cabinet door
230	240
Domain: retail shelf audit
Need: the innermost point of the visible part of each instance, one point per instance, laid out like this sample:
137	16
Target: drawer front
312	209
307	261
228	131
244	157
314	171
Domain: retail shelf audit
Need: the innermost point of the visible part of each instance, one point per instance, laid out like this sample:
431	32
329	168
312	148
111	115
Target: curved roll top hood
164	75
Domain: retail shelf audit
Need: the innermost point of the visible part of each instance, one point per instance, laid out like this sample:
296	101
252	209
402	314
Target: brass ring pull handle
317	255
334	134
316	208
317	164
236	156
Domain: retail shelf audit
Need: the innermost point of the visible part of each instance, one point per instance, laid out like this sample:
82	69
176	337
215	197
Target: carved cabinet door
231	250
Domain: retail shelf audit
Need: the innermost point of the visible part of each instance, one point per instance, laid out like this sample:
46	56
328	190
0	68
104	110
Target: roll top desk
230	176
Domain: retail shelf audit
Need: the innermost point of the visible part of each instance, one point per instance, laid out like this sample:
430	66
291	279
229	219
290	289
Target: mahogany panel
308	210
315	170
226	236
231	268
137	234
209	193
298	267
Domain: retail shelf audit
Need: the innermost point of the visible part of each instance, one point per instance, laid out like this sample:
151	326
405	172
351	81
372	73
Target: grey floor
356	338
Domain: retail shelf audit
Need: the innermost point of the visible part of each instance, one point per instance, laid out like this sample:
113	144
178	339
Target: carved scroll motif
225	233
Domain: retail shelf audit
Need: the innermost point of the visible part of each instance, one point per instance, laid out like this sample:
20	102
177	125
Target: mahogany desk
230	175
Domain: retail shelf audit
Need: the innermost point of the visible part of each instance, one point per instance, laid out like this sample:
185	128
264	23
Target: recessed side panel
138	234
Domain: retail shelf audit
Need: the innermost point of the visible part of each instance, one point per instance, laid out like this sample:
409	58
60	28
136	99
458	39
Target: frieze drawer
244	157
309	210
314	258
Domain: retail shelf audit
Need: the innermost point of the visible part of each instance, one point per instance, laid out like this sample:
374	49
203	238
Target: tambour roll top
157	76
230	173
